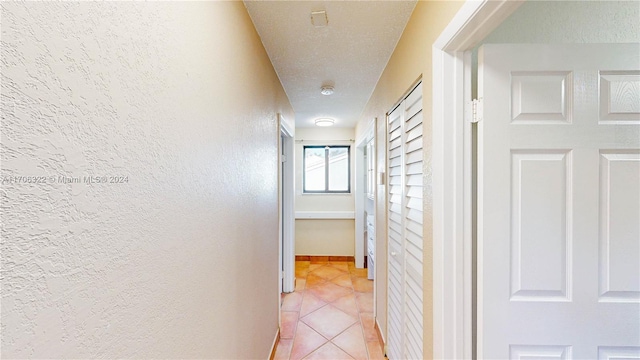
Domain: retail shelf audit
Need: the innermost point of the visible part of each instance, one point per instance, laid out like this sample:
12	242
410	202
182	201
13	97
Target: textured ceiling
350	53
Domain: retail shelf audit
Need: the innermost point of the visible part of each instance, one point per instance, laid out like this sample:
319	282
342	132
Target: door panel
559	201
541	202
395	266
619	229
405	243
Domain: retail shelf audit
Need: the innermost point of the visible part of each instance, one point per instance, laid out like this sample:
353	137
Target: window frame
326	171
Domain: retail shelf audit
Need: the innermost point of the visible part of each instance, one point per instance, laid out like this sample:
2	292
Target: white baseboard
274	346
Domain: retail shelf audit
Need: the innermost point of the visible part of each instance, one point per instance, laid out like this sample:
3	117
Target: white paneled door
405	219
559	202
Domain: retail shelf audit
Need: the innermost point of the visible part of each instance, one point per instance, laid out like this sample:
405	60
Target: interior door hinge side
476	111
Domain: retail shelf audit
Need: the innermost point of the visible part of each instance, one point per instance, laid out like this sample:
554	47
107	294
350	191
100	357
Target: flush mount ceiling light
324	122
326	90
319	18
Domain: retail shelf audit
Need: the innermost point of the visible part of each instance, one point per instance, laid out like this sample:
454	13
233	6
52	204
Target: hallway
153	171
330	314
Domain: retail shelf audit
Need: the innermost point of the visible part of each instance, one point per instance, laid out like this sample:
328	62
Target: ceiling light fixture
319	18
326	90
324	122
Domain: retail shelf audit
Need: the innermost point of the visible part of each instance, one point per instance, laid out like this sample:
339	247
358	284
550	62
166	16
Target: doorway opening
286	182
456	328
365	200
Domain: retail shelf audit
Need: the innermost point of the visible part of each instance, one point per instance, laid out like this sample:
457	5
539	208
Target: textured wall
180	260
325	237
410	60
570	22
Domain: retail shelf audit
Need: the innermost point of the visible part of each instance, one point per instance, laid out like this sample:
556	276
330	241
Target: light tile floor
330	314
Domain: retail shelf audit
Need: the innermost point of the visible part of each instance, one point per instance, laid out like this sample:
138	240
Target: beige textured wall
181	261
410	60
324	237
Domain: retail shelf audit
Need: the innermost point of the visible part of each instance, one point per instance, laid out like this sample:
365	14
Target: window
327	169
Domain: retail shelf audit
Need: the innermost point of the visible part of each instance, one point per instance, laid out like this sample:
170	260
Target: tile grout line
358	320
352	291
362	331
311	312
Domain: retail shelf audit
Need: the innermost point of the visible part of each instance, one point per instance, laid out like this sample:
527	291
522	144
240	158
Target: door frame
359	204
359	189
453	335
286	216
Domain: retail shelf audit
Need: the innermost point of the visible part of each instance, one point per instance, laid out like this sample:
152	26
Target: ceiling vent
319	18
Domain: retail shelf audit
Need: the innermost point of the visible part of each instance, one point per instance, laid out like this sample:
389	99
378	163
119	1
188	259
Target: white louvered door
395	267
405	245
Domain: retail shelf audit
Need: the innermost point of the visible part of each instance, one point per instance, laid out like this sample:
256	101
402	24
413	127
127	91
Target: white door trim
359	189
452	208
359	204
287	225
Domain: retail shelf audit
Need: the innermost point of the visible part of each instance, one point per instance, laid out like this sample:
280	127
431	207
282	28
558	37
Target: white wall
324	237
180	261
570	22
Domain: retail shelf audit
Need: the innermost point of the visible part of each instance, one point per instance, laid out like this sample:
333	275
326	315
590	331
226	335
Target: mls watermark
64	179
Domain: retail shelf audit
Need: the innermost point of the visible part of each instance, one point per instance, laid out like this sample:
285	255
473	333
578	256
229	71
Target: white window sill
325	215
